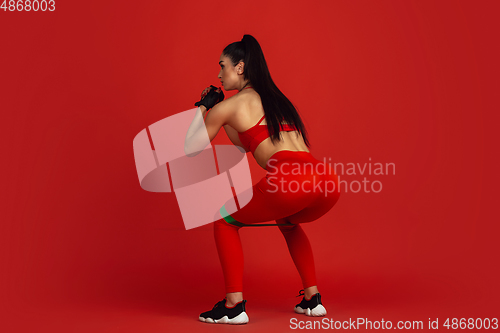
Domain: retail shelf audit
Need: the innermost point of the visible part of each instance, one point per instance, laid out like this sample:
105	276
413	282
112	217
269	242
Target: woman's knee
221	224
286	228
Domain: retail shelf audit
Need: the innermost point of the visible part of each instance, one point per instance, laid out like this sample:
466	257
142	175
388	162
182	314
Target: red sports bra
253	136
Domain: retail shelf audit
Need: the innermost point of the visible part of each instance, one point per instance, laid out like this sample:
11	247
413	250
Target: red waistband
289	154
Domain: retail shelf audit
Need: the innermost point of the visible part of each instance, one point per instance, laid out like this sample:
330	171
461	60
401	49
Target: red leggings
296	189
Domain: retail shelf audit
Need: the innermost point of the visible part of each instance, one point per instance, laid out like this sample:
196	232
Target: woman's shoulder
243	108
244	97
243	102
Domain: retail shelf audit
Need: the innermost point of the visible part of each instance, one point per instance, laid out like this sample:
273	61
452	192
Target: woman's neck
245	86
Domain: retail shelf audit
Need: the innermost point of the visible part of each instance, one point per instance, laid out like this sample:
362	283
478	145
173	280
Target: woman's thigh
296	197
269	202
311	213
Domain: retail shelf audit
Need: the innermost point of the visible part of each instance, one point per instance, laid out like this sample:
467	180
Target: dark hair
276	106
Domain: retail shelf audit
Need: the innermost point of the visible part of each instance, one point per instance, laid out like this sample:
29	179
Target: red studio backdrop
412	85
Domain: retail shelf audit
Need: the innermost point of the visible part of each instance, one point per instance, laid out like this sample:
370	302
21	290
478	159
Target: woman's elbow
190	151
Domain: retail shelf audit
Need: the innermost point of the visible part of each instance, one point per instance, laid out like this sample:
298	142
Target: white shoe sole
242	318
318	311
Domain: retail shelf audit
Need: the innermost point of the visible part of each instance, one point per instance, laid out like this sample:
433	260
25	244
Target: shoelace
301	293
219	303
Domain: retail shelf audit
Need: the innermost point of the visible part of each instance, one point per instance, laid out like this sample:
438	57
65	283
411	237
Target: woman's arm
202	132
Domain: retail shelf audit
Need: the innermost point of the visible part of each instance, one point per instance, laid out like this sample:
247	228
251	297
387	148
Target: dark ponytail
277	107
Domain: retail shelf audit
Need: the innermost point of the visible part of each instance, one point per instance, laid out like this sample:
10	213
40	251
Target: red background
415	83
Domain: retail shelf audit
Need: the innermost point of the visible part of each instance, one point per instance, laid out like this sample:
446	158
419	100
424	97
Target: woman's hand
210	96
204	92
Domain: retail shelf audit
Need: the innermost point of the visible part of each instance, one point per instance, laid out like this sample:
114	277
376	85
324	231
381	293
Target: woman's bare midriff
290	141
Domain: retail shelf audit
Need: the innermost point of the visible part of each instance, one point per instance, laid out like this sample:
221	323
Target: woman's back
248	110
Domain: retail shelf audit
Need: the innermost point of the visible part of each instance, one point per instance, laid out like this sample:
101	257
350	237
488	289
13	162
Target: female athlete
261	120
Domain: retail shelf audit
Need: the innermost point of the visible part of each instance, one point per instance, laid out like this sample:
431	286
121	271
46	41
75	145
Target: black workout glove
212	97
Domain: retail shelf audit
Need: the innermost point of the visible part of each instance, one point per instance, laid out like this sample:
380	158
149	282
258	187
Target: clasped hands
210	96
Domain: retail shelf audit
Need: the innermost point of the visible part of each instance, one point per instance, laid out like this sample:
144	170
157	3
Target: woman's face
229	74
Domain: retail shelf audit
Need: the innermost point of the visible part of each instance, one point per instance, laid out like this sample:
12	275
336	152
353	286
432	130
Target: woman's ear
240	67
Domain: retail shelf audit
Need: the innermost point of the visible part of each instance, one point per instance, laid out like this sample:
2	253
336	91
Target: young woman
261	120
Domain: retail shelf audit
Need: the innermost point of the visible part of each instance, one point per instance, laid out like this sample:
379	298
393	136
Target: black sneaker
312	307
220	314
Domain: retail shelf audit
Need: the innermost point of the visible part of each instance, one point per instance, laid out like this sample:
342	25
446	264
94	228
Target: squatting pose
261	120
